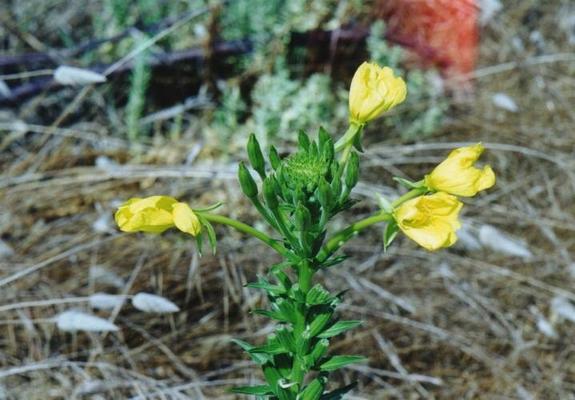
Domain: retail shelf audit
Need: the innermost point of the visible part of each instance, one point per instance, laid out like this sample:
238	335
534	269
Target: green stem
339	238
240	226
344	235
345	143
413	193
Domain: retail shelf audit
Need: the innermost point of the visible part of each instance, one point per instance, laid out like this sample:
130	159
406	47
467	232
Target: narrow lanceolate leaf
314	390
256	357
338	393
407	183
339	327
74	321
153	304
260	390
318	295
67	75
390	233
337	362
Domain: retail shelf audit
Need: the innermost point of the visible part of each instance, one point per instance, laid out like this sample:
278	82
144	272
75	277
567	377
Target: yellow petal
374	90
153	220
185	219
457	175
430	221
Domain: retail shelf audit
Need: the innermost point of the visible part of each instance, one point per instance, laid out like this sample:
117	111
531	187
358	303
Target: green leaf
407	183
277	315
339	327
314	390
211	236
337	362
286	338
338	393
256	357
389	234
264	284
273	347
260	390
384	204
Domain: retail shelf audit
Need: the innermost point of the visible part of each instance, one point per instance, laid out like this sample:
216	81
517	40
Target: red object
441	32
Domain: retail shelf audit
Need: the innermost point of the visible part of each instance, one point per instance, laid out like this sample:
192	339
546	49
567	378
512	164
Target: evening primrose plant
298	196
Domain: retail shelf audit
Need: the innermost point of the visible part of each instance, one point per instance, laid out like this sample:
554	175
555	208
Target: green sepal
314	390
255	156
259	390
274	157
247	183
256	357
338	393
409	184
338	327
336	362
389	234
211	237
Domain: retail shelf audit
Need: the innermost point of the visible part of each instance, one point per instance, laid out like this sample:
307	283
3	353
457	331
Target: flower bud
275	159
373	91
247	183
269	192
255	156
352	171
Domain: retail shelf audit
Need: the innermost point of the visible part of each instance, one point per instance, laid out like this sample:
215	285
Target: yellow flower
155	214
373	91
430	221
457	175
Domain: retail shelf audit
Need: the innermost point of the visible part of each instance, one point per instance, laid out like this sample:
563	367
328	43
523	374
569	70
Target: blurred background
105	100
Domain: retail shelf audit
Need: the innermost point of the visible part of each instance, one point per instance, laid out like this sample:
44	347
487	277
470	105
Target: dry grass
458	324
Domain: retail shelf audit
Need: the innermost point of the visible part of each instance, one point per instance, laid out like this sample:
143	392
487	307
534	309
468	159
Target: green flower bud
324	194
255	155
352	172
302	218
269	192
275	160
303	141
247	183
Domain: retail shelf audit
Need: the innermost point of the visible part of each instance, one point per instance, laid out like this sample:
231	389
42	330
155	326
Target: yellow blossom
457	175
373	91
155	214
431	221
